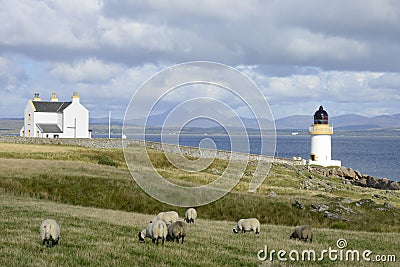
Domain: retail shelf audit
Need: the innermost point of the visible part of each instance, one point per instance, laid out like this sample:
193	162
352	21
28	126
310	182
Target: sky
344	55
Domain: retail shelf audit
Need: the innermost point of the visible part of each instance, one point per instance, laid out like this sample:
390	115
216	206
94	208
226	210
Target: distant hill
348	122
294	122
104	121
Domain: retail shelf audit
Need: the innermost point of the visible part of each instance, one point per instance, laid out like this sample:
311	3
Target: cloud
359	19
302	90
46	24
233	32
305	45
122	33
90	70
386	81
12	77
300	53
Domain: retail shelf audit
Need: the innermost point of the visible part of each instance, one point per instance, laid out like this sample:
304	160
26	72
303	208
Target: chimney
36	97
54	97
75	97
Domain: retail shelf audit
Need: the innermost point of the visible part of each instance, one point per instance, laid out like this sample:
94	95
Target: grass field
101	209
101	237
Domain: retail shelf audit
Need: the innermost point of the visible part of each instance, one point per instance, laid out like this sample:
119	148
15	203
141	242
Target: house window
29	133
29	119
37	133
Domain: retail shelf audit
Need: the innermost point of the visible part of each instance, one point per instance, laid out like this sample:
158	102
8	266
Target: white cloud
90	70
127	33
12	77
352	91
386	81
45	23
306	45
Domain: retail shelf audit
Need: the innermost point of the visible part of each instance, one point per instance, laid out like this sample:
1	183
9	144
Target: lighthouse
321	133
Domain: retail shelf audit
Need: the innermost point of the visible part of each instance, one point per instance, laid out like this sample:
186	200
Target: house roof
47	106
49	128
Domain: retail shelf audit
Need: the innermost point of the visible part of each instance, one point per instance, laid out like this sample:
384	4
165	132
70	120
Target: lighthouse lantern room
321	133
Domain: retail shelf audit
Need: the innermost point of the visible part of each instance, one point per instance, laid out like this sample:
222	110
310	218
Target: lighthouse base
329	163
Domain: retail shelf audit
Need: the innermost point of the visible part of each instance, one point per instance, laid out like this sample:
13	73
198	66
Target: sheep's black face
234	230
141	239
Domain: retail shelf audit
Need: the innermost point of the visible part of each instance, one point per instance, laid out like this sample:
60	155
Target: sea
377	155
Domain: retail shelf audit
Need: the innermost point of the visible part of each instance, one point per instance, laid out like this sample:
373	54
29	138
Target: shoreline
348	175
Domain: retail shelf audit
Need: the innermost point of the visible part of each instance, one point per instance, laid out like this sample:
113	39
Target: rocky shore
350	176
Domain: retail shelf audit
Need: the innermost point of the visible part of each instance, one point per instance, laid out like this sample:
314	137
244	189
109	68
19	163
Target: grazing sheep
176	230
302	232
244	225
168	217
145	232
190	215
154	230
49	232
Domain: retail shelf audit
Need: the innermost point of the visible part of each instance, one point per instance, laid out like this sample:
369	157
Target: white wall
321	147
77	112
29	126
46	117
60	120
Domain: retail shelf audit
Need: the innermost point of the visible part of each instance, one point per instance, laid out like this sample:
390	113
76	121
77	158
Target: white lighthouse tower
321	133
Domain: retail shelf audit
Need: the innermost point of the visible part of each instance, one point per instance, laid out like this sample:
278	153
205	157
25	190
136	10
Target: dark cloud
298	52
360	35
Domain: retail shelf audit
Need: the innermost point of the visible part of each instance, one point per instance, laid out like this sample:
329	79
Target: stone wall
84	142
116	143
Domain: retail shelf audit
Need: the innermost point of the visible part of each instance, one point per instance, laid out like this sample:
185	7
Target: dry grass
74	175
29	148
91	201
100	237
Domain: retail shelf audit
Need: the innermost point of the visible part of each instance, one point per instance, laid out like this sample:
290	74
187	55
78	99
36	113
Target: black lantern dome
321	116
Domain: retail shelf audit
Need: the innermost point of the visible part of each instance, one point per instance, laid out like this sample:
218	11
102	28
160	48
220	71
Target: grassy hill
101	209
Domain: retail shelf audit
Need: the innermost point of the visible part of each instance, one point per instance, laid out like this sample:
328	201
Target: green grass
101	209
75	175
102	237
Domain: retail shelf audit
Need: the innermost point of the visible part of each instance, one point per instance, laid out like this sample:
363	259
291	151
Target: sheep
176	230
190	215
155	230
168	217
145	232
49	232
251	224
302	232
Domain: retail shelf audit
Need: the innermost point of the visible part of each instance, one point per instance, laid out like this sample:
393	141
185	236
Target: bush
107	161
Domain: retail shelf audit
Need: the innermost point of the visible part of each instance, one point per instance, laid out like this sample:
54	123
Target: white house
55	119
